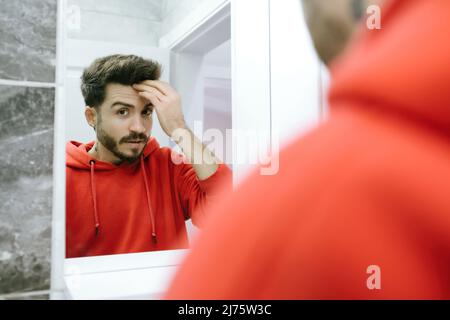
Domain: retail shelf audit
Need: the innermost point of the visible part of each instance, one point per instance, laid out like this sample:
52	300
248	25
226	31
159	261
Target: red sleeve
196	195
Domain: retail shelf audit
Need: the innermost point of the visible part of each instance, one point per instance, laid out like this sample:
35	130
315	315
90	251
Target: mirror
126	196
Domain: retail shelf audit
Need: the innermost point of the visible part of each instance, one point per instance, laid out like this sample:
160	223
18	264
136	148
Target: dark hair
122	69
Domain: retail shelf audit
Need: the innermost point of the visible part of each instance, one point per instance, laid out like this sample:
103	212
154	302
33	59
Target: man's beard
113	146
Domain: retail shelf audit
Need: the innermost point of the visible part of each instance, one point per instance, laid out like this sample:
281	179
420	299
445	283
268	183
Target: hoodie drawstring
147	192
152	218
94	197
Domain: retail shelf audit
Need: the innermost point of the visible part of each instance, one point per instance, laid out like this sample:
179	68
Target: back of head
400	69
332	24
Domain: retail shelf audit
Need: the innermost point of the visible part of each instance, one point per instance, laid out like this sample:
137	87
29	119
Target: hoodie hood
403	68
78	157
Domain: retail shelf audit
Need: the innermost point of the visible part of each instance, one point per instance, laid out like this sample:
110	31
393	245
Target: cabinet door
295	72
278	80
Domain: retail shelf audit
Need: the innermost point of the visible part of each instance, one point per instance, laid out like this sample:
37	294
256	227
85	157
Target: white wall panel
295	72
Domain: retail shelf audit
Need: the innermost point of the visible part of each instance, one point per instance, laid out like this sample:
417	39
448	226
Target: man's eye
123	112
147	112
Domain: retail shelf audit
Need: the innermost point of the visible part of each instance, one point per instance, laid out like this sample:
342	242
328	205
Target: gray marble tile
26	153
37	295
28	40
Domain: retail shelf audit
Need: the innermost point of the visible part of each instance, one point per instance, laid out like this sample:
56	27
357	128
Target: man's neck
100	153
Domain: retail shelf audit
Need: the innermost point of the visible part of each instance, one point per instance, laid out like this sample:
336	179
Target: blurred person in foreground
360	208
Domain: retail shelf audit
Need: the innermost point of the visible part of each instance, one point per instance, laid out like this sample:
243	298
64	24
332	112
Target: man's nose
138	125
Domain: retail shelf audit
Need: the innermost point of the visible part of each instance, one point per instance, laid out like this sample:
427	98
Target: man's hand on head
167	104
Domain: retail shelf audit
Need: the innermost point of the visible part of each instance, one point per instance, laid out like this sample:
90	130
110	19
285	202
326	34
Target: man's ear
91	116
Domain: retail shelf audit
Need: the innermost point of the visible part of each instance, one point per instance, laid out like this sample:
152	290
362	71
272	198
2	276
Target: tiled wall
27	56
27	37
130	21
174	11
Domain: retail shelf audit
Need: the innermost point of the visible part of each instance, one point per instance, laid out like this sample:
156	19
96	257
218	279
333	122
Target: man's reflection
124	192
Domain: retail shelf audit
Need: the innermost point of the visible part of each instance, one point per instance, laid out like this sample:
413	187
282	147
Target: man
124	193
360	208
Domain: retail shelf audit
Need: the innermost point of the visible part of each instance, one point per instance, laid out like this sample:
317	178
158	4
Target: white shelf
126	276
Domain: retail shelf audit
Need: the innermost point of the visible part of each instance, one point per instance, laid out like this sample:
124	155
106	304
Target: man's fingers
150	97
165	88
145	88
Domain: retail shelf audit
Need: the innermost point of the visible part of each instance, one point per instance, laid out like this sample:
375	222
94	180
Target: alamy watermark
374	280
373	21
236	146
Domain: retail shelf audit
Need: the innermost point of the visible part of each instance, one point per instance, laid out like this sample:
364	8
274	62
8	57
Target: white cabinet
295	72
277	79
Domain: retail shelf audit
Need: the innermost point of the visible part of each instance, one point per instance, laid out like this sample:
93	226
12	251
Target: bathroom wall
27	94
131	21
174	11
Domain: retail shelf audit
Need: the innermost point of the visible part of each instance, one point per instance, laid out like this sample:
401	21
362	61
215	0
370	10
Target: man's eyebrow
119	103
124	104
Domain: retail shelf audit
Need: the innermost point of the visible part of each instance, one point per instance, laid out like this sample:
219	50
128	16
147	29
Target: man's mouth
135	142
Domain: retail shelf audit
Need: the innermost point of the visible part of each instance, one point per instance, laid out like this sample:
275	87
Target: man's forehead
115	91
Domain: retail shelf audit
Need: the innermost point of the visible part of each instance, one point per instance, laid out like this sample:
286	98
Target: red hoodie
369	187
133	207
